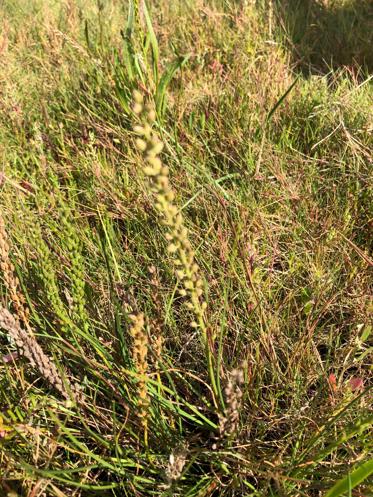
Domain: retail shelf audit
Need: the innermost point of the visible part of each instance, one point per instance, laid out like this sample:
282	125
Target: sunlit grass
217	343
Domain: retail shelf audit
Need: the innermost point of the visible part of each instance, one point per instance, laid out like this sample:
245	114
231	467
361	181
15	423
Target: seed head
29	348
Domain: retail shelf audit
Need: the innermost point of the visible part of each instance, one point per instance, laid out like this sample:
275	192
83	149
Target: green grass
272	171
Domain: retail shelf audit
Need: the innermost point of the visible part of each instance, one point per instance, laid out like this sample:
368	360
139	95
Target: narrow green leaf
353	479
366	332
128	55
153	42
358	428
164	82
86	35
281	99
328	424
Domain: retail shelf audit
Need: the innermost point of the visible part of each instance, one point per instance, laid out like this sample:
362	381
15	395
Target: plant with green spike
73	245
186	268
48	276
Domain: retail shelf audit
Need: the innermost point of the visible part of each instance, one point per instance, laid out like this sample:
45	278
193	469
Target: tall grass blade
153	42
281	99
167	76
128	52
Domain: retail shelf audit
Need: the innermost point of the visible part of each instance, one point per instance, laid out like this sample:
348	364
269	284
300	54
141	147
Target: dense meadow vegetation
185	248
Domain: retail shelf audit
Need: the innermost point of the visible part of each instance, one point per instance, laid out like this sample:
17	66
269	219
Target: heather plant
184	250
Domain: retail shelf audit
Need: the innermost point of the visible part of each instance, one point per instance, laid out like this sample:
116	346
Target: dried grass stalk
229	422
10	279
29	348
140	354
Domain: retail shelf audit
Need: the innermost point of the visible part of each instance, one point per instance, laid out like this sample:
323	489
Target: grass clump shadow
328	35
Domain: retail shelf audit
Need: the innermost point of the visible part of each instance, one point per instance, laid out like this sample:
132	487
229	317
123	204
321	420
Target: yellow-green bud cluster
186	269
49	277
72	243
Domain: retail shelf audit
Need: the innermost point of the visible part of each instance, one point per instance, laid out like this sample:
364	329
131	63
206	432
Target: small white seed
140	130
137	108
152	116
141	144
